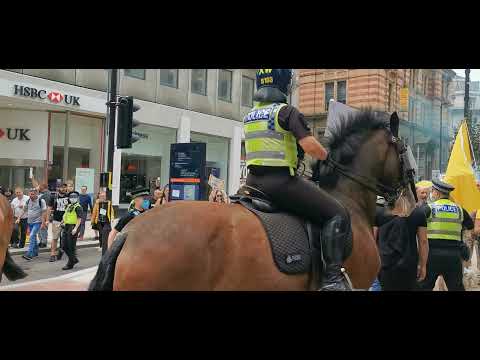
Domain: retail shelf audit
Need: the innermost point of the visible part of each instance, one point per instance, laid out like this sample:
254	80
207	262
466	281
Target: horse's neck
356	198
366	164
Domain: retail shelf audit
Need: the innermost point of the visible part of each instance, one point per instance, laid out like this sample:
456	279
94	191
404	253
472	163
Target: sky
474	73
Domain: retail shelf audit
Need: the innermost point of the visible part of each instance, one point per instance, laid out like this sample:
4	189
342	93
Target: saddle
295	243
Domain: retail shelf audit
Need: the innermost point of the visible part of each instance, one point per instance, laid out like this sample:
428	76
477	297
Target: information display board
187	171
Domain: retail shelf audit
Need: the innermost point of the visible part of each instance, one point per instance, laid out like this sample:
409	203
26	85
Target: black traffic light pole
112	110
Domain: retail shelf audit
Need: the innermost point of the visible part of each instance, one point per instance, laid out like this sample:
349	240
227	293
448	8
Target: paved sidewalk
88	241
76	281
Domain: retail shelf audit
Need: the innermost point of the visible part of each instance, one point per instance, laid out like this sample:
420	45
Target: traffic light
126	122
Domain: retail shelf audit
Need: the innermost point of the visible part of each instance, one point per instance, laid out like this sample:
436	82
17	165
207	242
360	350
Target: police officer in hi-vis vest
71	219
445	223
272	130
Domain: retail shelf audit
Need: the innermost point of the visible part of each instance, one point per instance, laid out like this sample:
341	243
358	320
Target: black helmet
273	85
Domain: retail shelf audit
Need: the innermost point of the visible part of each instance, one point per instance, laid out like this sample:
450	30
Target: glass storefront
147	163
84	144
217	156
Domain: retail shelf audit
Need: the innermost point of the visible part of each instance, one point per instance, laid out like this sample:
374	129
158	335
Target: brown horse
190	245
7	266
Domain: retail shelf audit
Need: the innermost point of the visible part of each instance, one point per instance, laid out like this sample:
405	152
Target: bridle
390	193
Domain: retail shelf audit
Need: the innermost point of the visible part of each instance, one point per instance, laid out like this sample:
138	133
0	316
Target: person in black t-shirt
58	204
140	204
403	260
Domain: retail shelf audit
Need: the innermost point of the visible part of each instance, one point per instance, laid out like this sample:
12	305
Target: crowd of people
426	244
65	211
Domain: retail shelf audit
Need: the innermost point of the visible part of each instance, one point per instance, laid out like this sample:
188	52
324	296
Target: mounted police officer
445	223
273	131
72	219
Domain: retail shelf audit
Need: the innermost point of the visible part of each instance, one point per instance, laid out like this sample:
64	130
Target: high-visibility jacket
266	142
100	215
70	217
445	220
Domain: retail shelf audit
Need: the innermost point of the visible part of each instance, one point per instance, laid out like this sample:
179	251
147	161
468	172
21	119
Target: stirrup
344	272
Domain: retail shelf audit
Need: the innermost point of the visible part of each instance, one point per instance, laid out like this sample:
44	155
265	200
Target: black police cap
139	192
441	186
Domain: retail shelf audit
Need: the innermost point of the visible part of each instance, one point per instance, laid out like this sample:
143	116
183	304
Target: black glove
464	251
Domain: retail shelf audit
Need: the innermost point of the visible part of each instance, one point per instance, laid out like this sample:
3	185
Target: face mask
73	200
146	204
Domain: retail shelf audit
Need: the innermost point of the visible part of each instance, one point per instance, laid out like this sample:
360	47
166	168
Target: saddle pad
288	240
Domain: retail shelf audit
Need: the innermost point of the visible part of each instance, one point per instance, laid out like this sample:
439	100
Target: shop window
147	163
169	77
217	157
138	171
199	81
225	85
135	73
247	91
56	170
77	158
84	146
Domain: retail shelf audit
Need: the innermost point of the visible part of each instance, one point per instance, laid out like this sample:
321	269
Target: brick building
427	90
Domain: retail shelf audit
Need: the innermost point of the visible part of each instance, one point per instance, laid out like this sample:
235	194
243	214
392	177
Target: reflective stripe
264	134
437	219
265	155
443	232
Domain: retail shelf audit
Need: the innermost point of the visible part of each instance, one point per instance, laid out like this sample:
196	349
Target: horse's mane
344	142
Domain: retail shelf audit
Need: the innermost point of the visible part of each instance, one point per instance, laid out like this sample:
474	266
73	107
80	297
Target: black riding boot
336	247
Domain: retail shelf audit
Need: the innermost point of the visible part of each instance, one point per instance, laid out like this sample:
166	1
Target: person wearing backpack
36	210
403	259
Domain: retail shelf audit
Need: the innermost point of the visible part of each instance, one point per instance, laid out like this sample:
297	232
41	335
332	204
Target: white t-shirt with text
18	206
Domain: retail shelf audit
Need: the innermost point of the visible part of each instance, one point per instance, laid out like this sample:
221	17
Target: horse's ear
394	124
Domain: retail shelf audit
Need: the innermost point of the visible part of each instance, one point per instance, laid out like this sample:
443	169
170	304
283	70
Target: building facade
53	124
421	97
457	110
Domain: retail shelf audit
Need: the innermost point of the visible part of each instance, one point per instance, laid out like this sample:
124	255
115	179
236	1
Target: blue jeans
375	286
33	247
43	235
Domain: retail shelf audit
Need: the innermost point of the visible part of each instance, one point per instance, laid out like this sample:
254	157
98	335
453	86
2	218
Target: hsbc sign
14	134
54	97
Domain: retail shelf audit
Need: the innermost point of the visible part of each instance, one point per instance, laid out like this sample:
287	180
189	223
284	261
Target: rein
387	192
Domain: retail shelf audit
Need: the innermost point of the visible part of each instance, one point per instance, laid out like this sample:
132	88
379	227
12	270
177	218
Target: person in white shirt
17	205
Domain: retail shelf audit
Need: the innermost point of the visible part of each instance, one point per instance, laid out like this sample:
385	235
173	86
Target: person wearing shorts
58	204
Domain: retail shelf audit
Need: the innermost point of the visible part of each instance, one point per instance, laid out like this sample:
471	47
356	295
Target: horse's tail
103	280
11	270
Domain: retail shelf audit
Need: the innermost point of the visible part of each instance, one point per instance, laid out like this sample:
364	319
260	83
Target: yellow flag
460	173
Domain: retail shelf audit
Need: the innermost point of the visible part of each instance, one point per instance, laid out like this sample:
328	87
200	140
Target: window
247	91
328	93
390	88
425	85
169	77
135	73
199	81
225	85
342	92
413	77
